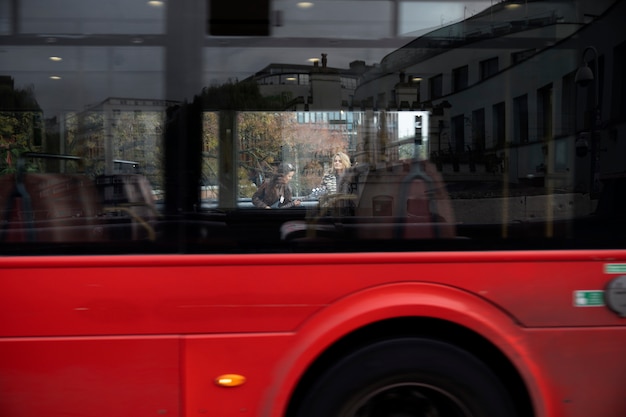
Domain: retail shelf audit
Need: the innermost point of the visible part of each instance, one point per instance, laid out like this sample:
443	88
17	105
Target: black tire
408	378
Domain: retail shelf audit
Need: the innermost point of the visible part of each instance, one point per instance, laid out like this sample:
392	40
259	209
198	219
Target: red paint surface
146	335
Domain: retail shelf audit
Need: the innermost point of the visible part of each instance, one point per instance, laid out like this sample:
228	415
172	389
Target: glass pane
129	126
210	154
53	17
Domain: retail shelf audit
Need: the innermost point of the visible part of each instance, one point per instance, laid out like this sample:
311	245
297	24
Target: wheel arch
417	327
401	310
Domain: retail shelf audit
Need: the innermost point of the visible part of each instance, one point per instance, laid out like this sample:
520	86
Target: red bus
331	208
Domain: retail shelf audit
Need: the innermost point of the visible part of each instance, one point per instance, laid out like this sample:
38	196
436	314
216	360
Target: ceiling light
156	3
305	4
55	58
55	77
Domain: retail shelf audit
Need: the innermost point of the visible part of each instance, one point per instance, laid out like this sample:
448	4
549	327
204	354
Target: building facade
488	116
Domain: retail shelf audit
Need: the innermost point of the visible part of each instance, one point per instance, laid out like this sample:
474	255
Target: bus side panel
578	379
253	356
114	296
89	377
390	301
300	304
135	295
584	369
558	378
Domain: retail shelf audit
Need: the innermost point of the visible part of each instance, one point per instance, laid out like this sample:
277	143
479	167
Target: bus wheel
408	378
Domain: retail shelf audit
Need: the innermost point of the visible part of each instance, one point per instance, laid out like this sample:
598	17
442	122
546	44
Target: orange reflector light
230	380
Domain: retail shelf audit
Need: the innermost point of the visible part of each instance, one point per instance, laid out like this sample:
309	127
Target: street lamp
584	76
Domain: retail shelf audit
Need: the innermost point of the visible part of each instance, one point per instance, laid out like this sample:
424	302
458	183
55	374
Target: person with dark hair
276	193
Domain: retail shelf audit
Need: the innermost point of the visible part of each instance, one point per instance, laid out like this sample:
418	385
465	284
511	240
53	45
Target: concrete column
183	54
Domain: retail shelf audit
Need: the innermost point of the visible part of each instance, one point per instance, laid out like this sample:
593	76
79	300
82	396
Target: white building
311	87
502	92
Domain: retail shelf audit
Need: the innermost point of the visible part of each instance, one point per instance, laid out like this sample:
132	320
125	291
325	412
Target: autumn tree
210	148
137	138
85	138
21	125
313	145
266	136
241	96
259	132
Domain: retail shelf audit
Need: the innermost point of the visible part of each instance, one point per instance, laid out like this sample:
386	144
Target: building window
349	83
289	79
568	104
618	105
488	67
499	124
271	80
418	87
458	133
478	130
520	119
460	78
522	55
436	86
380	101
544	112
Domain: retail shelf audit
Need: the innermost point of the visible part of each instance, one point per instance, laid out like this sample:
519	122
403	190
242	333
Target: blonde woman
330	181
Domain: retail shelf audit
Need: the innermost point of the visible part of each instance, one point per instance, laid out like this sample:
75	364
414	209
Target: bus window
431	154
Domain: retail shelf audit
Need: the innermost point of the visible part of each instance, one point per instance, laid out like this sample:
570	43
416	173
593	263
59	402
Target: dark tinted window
133	126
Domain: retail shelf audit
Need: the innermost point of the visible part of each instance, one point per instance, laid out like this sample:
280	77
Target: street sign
588	298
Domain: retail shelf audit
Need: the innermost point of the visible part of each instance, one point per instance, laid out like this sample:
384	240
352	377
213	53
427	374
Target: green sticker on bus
588	298
615	269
